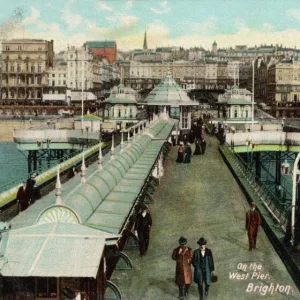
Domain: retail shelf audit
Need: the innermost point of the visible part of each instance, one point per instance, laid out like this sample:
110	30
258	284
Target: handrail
265	194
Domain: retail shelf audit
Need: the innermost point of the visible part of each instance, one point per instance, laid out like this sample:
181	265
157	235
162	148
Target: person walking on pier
253	220
203	145
143	225
204	268
183	276
180	153
30	187
198	150
22	197
188	153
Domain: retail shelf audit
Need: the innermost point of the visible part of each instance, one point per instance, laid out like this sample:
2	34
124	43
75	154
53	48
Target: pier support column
258	165
29	161
34	161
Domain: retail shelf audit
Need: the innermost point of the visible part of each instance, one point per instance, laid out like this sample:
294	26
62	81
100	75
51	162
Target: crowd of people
196	135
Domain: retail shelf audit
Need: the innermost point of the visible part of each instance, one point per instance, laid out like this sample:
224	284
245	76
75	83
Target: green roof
89	117
53	250
168	92
100	44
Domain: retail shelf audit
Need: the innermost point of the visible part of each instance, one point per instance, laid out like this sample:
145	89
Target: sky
186	23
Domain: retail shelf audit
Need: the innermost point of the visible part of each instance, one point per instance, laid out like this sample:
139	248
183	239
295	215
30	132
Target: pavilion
170	99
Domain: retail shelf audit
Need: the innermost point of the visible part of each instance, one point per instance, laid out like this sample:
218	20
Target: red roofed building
106	49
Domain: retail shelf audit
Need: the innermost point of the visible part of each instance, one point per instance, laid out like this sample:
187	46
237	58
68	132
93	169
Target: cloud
35	15
72	20
103	6
163	10
200	27
123	19
164	4
129	3
267	26
295	13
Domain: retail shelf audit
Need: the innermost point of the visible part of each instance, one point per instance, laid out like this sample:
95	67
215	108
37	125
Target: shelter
89	122
120	108
73	243
235	106
170	98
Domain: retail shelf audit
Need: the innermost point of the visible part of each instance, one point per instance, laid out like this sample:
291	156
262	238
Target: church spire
145	47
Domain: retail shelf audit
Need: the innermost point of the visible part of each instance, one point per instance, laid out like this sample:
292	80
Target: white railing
53	135
263	138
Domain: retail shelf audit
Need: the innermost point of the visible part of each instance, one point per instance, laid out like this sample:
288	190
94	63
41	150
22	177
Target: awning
53	250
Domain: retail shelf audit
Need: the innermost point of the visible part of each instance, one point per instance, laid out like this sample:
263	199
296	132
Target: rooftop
100	44
168	92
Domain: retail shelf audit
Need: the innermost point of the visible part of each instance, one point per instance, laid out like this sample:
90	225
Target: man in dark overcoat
203	145
204	268
30	187
183	276
22	197
253	220
142	228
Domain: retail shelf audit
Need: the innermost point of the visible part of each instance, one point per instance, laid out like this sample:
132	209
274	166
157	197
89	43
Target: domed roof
168	92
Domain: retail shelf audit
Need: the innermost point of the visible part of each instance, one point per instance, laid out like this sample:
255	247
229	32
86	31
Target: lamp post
285	170
82	95
296	177
253	63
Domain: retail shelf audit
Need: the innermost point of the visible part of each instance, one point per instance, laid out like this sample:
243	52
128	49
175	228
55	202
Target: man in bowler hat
183	276
253	220
204	268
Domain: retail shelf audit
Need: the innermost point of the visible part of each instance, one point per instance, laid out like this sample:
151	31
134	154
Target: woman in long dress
180	153
188	153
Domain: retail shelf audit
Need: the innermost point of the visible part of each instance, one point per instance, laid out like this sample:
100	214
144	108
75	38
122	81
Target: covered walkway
203	199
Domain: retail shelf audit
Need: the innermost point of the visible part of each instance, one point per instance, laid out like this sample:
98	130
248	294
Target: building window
46	287
64	82
6	67
39	68
32	69
12	68
32	80
19	48
7	48
235	113
53	75
18	68
39	80
27	67
185	117
59	82
53	83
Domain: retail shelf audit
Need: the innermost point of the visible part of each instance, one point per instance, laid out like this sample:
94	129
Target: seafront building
25	62
107	49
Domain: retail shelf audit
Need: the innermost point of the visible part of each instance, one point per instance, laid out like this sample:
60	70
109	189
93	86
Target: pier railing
262	192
